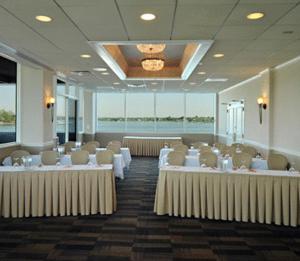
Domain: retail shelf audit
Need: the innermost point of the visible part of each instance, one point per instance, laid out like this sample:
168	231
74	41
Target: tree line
7	117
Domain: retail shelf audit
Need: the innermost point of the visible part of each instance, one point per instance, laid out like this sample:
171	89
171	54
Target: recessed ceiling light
148	17
116	83
216	80
255	15
43	18
202	73
154	90
154	83
192	83
105	73
123	90
218	55
186	90
100	69
85	56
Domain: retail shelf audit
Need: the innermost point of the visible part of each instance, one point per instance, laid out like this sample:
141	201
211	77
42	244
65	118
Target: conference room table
263	196
118	164
193	161
57	190
147	146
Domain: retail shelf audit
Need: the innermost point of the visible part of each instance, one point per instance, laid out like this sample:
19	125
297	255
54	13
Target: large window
8	89
156	112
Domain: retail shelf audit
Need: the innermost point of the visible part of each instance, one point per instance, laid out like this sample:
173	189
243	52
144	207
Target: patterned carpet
134	232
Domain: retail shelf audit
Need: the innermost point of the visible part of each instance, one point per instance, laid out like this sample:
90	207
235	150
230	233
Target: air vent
136	85
81	73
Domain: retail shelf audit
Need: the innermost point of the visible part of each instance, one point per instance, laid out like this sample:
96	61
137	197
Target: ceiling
249	46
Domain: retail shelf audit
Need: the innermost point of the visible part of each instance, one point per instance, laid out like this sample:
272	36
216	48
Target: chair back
114	147
204	149
182	148
91	148
228	150
220	146
68	146
174	143
94	142
49	157
119	143
199	144
79	157
16	156
241	159
104	157
250	150
277	162
176	158
210	159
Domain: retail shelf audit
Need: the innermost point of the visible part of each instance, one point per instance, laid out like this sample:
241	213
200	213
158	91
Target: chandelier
153	64
151	48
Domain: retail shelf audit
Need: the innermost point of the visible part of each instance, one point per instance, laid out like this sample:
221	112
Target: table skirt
228	196
146	147
53	193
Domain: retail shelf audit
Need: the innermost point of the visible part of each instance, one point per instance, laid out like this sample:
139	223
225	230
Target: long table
263	196
57	190
147	146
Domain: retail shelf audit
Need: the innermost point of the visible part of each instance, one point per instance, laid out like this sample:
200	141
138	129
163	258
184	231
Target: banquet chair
176	158
104	157
277	162
115	142
182	148
114	147
94	142
241	159
91	148
174	143
49	157
220	146
204	149
69	146
228	150
16	156
80	157
238	145
199	144
210	159
250	150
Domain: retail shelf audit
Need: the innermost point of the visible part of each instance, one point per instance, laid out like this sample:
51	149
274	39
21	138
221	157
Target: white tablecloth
165	151
118	164
264	196
193	161
57	190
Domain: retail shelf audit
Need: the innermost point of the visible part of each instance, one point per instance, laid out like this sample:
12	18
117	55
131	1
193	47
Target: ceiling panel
240	32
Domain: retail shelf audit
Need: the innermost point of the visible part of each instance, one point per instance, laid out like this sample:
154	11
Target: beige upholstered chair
94	142
238	145
91	148
114	147
228	150
104	157
119	143
16	156
250	150
241	159
199	144
220	146
80	157
204	149
182	148
210	159
174	143
68	146
277	162
49	157
176	158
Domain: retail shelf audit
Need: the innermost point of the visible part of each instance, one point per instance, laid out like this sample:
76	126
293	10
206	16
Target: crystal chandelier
153	64
151	48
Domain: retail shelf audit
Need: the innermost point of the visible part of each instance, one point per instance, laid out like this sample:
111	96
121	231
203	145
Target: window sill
8	145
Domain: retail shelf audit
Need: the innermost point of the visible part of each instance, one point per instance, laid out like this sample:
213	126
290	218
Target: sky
167	104
7	97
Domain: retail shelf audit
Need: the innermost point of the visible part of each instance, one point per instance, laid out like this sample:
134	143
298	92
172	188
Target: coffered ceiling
249	46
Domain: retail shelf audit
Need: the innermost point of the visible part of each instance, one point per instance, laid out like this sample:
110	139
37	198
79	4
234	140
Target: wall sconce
261	105
50	105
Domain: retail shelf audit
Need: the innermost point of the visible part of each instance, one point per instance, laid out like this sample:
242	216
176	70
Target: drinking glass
292	167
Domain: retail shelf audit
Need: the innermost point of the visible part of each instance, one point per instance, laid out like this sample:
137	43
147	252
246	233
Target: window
80	111
140	112
61	118
156	112
111	112
170	112
8	90
200	111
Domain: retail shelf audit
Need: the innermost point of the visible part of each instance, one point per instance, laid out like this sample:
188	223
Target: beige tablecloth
57	190
264	196
147	146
